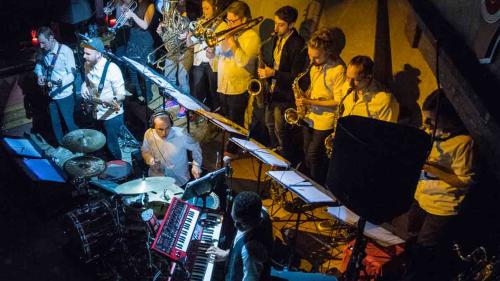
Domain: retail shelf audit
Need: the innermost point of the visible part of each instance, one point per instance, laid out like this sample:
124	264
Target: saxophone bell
292	117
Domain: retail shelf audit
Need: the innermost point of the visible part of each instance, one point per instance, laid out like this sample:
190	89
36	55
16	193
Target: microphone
227	165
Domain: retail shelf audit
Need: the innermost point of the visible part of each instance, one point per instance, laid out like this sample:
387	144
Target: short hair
287	13
240	9
45	31
331	40
163	117
247	206
446	111
365	63
212	3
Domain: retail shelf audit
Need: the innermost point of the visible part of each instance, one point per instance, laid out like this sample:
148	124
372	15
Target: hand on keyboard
220	255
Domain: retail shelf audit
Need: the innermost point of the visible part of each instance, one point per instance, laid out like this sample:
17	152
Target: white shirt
172	153
326	83
63	69
114	87
235	70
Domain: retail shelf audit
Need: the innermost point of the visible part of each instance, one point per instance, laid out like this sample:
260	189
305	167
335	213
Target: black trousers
233	107
315	153
204	85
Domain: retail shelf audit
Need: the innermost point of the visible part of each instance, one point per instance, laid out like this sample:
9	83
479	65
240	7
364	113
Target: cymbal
145	185
84	166
84	140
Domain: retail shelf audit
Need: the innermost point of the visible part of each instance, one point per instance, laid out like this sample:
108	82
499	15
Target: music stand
374	172
202	187
265	155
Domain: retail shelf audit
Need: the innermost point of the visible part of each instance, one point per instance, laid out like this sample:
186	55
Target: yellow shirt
326	83
236	69
436	196
375	103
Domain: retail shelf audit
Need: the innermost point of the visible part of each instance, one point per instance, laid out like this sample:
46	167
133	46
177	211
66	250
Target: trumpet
295	116
109	8
256	86
122	20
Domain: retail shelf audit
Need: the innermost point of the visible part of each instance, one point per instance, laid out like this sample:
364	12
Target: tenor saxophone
294	116
329	139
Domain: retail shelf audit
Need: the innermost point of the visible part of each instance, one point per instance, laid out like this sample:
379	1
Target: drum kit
121	214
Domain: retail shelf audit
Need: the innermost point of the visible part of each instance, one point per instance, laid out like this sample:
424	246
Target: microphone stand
229	189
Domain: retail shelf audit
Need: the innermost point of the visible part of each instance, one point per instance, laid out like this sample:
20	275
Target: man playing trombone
237	57
288	60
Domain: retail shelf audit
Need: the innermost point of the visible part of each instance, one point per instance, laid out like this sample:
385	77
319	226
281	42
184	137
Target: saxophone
294	116
329	139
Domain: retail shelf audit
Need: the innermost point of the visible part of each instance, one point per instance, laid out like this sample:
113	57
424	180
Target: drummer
165	150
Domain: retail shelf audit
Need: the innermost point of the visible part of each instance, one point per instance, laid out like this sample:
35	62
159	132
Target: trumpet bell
292	116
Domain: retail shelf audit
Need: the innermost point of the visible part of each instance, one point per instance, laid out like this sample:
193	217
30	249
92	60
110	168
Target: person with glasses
236	66
165	150
367	97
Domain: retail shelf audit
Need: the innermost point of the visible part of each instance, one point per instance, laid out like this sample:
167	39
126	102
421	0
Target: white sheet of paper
287	177
379	234
266	155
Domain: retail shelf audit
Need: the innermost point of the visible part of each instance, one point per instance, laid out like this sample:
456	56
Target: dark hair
212	3
446	110
365	63
240	9
247	206
45	31
331	40
287	13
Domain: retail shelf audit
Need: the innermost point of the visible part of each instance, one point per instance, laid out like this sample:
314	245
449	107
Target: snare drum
213	201
117	171
92	229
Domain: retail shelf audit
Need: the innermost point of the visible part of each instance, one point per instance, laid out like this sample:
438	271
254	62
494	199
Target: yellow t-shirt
375	103
326	83
456	156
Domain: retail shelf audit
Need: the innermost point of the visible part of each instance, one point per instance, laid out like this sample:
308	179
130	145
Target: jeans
112	128
204	85
282	134
64	107
233	107
177	75
315	153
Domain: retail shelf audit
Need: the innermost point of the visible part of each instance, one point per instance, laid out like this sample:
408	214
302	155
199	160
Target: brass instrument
122	20
294	116
109	8
260	87
200	27
329	139
213	38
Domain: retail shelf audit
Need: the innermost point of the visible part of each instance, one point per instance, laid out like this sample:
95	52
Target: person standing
55	71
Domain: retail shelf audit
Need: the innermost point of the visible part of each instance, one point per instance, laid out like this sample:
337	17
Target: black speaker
375	166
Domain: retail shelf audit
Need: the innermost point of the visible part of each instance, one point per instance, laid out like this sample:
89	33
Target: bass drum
92	230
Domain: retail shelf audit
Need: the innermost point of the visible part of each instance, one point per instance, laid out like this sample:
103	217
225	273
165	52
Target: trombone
122	20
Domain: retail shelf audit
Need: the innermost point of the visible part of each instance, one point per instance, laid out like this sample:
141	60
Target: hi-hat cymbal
145	185
84	166
84	140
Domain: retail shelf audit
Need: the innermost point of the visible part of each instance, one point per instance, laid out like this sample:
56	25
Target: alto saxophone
329	139
294	116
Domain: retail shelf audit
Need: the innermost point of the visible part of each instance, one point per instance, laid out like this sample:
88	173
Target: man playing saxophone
287	61
327	75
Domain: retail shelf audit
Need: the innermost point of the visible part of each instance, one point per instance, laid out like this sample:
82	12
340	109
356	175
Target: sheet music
379	234
22	147
224	123
300	186
266	155
184	100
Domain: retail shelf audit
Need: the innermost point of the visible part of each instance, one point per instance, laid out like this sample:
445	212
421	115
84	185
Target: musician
140	44
368	98
165	149
287	61
249	257
109	100
444	182
119	42
327	75
56	72
236	65
203	71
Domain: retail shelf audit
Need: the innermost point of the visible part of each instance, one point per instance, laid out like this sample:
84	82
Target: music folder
263	153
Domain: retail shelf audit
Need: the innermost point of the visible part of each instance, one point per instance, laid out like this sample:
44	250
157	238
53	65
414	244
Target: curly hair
247	206
331	40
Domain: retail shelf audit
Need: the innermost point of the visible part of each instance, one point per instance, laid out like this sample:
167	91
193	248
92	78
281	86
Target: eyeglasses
232	21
